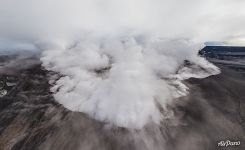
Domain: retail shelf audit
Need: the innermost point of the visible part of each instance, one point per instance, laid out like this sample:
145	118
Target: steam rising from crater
121	61
123	81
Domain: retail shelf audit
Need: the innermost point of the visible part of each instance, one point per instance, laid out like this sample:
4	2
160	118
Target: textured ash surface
31	119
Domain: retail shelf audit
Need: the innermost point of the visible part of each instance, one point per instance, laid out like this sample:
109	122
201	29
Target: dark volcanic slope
223	52
214	110
30	118
28	113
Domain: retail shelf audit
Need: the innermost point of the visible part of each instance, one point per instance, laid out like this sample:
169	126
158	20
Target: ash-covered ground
30	118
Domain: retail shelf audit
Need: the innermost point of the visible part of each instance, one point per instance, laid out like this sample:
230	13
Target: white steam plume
122	80
121	59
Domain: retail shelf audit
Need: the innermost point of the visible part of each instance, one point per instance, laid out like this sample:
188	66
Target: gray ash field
31	119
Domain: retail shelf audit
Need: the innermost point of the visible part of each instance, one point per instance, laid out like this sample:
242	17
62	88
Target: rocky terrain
30	118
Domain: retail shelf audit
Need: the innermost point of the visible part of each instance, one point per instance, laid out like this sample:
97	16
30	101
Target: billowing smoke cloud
121	61
123	80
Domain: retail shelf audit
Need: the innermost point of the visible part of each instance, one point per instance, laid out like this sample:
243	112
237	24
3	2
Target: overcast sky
202	20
